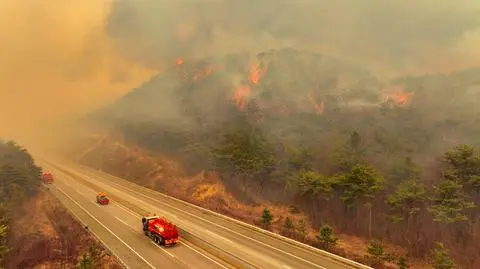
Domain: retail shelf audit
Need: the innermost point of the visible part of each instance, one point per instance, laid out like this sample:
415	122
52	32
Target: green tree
266	218
405	171
376	253
326	237
351	153
3	248
310	183
95	253
360	186
244	154
466	165
449	202
402	263
407	200
85	262
441	259
302	229
288	226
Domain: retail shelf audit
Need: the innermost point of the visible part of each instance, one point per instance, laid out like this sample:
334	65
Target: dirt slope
45	235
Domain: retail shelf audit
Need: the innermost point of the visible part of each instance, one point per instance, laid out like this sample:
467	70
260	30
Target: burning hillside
205	86
293	95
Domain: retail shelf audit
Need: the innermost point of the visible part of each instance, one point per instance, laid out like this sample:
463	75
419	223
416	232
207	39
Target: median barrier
215	251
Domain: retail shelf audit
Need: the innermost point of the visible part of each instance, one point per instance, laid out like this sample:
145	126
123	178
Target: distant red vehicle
102	199
160	230
47	178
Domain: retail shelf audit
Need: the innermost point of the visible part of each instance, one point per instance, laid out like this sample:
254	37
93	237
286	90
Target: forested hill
19	180
294	127
300	98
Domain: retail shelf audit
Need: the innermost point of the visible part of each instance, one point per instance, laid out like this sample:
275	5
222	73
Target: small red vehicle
160	230
47	178
102	199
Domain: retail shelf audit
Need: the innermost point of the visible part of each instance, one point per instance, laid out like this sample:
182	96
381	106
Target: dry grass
45	235
208	191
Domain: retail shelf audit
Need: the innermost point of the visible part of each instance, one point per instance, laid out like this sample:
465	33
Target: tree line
362	194
364	167
19	180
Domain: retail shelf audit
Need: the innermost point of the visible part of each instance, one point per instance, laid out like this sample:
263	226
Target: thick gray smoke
398	34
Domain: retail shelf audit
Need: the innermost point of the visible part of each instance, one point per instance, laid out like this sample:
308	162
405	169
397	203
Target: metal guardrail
226	257
305	247
215	251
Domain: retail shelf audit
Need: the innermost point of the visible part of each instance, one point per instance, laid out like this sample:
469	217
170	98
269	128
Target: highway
256	247
120	230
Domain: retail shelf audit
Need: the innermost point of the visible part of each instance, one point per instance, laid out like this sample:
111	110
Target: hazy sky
55	60
60	57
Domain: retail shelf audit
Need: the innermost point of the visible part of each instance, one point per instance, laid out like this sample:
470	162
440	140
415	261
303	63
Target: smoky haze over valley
400	35
63	58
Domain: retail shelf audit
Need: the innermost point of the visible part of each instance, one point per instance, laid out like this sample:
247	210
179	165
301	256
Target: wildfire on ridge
254	75
319	108
240	96
203	72
398	96
179	61
401	98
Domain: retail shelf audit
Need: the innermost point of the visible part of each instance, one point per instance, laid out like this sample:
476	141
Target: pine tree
441	259
326	237
402	263
266	218
85	262
288	226
302	229
376	253
360	186
407	201
3	248
449	202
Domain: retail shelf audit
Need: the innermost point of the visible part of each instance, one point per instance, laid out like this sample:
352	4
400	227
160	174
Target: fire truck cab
102	198
47	178
160	230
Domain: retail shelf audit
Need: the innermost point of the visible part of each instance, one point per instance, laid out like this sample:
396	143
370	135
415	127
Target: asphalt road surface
131	200
120	229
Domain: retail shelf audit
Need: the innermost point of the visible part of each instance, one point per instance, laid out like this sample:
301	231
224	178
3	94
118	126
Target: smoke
401	36
61	58
56	63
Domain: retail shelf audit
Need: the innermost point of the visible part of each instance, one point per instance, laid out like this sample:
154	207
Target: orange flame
399	96
319	108
256	73
240	96
402	98
179	61
203	73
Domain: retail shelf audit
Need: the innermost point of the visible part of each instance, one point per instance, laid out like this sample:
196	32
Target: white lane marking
95	203
210	259
120	190
106	228
137	216
220	237
155	244
215	224
286	266
100	239
119	219
195	216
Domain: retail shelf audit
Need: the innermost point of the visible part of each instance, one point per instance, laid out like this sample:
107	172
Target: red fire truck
102	199
47	178
160	230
